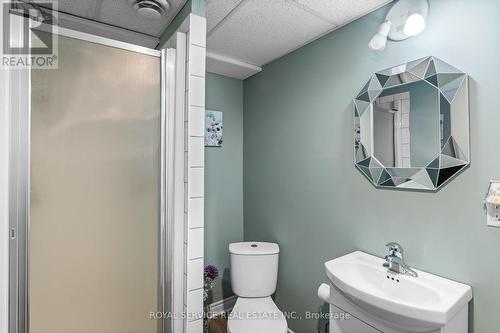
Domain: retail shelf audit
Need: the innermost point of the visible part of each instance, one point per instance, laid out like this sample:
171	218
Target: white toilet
254	273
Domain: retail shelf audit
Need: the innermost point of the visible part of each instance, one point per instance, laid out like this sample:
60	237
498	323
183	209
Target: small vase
206	319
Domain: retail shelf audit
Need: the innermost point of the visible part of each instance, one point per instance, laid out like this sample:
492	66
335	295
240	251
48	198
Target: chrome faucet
395	261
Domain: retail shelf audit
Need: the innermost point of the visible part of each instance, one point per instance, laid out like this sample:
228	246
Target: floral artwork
213	129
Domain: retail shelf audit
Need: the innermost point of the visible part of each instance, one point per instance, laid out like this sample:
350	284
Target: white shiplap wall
195	173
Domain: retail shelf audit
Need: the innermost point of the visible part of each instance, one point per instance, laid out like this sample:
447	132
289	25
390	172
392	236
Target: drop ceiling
118	13
244	35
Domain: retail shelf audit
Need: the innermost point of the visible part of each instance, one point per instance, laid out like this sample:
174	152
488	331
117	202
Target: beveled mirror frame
454	157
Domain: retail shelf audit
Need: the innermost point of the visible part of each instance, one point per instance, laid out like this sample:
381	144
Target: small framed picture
492	204
493	195
214	129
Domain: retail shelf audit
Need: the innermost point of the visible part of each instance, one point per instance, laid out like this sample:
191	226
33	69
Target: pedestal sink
390	302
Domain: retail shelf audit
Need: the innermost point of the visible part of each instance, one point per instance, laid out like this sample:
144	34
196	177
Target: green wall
224	179
302	190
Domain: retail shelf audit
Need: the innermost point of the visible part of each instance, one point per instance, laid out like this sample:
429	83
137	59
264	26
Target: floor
218	325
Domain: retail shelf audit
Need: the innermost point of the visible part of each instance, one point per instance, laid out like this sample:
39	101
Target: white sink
420	304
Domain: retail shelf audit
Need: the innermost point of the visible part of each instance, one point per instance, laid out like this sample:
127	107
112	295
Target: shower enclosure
90	173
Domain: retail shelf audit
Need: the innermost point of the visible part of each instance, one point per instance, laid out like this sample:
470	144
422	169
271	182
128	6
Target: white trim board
235	68
177	245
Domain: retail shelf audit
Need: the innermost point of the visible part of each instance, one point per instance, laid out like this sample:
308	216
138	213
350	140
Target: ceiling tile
341	11
262	30
119	13
218	9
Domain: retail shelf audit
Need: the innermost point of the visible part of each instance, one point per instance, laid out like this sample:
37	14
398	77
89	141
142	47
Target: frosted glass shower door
94	237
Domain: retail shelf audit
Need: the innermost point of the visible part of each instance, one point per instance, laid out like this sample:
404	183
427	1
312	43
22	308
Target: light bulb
378	42
415	24
380	38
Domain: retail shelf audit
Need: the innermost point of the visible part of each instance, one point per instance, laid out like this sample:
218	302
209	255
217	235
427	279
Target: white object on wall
492	204
406	18
324	292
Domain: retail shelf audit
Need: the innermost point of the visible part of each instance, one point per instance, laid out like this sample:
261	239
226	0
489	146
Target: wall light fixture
405	19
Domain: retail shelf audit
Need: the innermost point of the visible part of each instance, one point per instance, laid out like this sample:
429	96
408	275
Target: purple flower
211	272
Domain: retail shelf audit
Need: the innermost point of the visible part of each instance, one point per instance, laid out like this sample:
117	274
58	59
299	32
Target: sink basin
419	304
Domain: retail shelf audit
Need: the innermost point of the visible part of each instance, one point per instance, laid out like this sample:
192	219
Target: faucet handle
395	248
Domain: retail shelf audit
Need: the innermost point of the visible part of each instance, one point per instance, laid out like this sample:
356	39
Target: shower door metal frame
19	183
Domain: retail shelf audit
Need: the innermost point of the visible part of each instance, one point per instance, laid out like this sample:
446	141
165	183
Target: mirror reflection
411	125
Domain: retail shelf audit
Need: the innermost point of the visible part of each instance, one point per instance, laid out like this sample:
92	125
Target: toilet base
251	315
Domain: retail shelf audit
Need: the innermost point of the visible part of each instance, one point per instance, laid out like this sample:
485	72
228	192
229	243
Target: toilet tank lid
254	248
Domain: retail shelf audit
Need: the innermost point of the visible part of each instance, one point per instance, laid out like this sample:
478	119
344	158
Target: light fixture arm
380	38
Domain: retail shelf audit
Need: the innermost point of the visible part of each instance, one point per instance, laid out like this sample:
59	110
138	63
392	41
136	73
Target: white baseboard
224	305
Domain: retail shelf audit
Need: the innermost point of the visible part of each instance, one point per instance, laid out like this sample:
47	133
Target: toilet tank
254	268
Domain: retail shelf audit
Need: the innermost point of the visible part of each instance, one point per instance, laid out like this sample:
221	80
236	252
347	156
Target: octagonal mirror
412	125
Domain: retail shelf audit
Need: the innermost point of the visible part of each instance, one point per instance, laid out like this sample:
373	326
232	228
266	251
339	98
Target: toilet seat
252	315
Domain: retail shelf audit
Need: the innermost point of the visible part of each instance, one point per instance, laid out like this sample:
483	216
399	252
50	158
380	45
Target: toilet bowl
254	273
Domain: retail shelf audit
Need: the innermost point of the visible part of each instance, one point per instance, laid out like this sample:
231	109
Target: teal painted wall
302	190
224	179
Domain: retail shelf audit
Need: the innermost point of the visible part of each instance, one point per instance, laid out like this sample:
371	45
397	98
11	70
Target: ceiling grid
257	32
